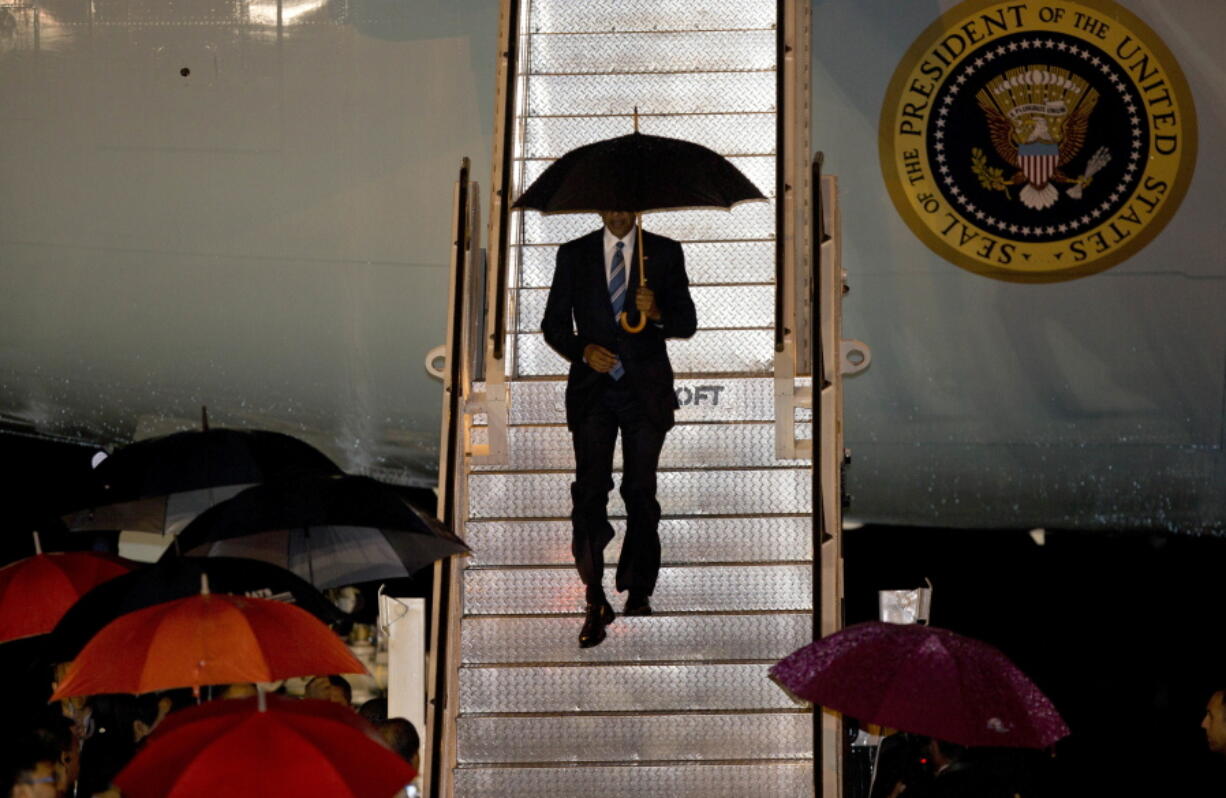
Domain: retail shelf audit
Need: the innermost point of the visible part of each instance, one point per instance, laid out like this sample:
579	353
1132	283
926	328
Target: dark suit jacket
578	313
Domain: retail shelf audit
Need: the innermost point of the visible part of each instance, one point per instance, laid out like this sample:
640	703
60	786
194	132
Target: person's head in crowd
55	731
330	688
121	724
28	768
944	754
111	743
75	708
401	736
238	690
147	712
1214	722
374	710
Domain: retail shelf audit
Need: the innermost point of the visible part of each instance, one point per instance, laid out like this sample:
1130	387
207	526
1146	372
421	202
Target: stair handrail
439	751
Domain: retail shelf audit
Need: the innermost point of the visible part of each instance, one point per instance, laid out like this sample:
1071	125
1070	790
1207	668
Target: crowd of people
77	746
915	766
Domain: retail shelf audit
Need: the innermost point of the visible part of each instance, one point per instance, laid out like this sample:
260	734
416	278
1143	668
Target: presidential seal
1037	142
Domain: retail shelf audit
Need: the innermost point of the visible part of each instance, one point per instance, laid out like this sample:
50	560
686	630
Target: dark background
1123	631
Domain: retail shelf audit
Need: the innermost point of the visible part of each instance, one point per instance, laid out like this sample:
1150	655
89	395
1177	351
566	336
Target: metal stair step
690	93
733	780
657	15
749	445
701	398
619	688
752	587
697	492
656	638
636	738
683	540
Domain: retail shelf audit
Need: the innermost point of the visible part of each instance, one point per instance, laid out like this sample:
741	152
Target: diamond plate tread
741	134
654	638
684	540
717	306
624	15
748	221
701	399
705	262
620	688
710	588
652	51
739	780
687	446
636	739
714	351
744	492
681	93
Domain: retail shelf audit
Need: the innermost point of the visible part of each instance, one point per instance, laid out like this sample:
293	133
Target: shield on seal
1038	161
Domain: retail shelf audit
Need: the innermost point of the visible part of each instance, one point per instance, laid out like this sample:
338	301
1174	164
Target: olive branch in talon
989	177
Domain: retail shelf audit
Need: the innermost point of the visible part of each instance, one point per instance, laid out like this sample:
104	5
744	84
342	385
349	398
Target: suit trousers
617	408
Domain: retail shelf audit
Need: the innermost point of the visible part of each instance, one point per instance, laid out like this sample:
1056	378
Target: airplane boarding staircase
678	703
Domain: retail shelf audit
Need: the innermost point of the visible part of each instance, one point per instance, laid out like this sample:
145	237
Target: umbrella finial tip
204	584
38	543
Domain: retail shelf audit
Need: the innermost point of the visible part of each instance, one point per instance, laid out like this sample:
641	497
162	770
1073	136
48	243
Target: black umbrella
159	484
331	531
175	578
638	173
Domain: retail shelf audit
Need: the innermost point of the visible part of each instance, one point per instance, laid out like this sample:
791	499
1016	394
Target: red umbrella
205	639
923	680
37	591
264	747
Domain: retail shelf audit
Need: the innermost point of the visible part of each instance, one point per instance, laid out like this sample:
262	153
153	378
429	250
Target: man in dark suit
618	381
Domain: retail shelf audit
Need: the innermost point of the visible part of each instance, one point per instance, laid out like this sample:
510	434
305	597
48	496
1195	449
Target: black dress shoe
598	617
637	605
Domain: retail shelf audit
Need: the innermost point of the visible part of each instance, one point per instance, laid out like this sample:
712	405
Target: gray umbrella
331	531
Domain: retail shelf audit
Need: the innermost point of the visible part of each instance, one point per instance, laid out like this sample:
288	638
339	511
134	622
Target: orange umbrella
37	591
265	747
205	639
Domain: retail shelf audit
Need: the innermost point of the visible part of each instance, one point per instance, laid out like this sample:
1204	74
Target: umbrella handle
625	317
633	329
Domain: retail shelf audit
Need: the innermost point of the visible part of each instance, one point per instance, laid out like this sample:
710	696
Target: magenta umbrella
926	681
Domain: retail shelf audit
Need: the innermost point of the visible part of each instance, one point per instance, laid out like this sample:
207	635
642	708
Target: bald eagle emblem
1038	118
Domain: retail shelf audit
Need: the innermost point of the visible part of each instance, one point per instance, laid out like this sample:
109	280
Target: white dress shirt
610	246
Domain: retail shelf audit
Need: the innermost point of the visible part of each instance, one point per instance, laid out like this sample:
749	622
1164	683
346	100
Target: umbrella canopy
265	747
638	173
176	578
331	531
37	591
159	484
205	639
923	680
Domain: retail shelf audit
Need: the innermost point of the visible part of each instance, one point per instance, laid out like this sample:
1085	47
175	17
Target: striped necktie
617	297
